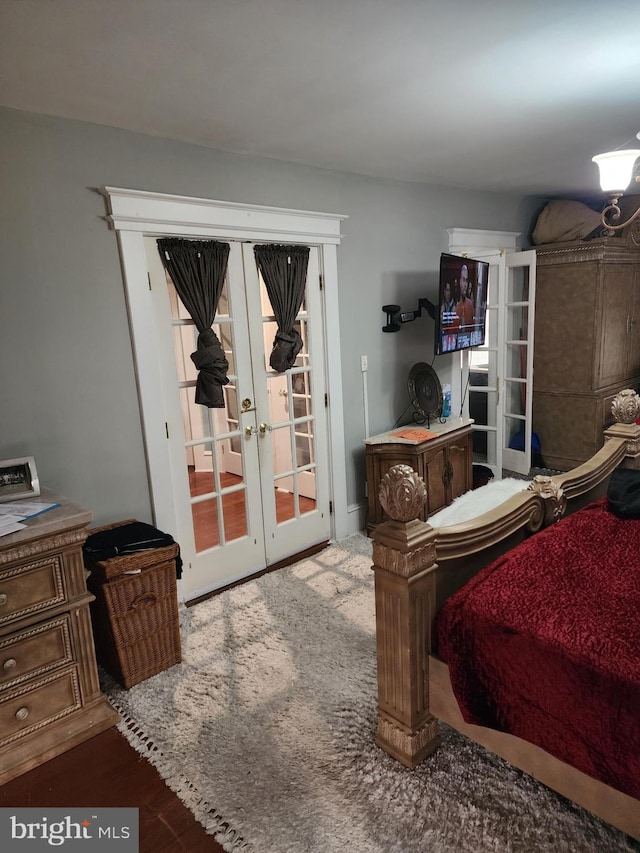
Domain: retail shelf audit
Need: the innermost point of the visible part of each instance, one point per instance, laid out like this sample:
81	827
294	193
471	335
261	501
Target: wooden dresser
50	698
586	342
445	463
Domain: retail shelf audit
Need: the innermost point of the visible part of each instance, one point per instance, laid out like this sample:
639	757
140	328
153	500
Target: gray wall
67	380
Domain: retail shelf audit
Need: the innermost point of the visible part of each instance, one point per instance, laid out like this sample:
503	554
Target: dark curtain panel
284	270
197	269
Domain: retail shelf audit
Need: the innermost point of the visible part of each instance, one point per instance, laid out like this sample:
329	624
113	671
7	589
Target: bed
459	608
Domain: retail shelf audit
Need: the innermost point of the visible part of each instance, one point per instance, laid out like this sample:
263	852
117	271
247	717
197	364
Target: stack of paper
10	524
14	513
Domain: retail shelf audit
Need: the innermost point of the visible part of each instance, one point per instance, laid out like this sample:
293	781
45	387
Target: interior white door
292	430
518	308
237	506
501	372
217	512
485	401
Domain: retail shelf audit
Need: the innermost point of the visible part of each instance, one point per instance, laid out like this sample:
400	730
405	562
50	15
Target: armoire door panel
617	309
566	309
633	349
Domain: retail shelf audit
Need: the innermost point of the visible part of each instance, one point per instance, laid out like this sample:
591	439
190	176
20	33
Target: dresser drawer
31	588
36	704
35	651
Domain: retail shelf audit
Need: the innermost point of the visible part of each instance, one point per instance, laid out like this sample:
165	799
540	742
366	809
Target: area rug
266	732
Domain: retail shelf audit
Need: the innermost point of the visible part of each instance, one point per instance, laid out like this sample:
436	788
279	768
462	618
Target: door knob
249	431
264	428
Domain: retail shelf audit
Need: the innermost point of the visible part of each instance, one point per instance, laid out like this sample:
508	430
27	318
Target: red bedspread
545	644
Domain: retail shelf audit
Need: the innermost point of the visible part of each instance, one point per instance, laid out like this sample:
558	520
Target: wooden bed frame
417	567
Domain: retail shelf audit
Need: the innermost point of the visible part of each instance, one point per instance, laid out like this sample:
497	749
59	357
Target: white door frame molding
136	213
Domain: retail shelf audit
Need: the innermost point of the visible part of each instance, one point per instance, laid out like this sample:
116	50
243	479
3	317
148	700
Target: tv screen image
462	304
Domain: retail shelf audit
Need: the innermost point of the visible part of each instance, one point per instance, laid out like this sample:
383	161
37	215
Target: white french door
501	372
518	315
291	422
250	480
484	375
217	466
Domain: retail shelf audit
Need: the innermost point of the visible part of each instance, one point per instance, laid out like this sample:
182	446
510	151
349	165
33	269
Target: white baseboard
356	518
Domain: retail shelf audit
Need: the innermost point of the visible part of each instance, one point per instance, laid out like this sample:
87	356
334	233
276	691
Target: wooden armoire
587	341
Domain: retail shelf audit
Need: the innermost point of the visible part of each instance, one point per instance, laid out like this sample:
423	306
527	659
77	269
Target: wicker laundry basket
135	612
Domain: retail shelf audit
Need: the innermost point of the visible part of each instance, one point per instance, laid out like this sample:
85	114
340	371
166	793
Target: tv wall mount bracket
396	316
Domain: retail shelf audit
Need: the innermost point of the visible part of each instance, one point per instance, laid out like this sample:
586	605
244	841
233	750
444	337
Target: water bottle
446	401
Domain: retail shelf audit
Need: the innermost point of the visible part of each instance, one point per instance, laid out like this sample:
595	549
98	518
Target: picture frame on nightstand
18	479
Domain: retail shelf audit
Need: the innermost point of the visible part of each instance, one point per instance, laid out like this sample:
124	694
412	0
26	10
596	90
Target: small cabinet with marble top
444	461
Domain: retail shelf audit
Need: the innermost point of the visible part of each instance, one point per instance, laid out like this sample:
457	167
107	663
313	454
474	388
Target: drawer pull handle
145	599
22	714
9	664
3	598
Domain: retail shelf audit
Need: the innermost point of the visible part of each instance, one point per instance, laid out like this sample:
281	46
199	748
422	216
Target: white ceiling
508	95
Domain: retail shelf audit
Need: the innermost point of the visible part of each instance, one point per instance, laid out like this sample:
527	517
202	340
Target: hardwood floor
106	772
205	514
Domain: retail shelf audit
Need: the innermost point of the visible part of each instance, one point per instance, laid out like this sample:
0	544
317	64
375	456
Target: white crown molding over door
478	240
134	214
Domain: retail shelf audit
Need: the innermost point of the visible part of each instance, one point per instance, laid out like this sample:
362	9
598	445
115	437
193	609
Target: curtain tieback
286	346
212	365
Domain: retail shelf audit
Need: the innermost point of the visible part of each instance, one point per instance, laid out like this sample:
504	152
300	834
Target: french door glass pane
514	432
515	402
484	440
286	504
205	524
278	391
185	337
202	472
234	513
518	284
195	419
516	360
282	459
301	326
517	322
304	450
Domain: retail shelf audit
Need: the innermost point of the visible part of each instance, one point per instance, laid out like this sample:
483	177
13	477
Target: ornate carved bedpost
404	563
625	408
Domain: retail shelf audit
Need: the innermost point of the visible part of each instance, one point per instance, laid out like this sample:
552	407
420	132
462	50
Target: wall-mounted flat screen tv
462	304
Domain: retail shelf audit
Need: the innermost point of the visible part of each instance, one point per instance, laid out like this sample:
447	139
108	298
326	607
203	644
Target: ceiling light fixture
616	171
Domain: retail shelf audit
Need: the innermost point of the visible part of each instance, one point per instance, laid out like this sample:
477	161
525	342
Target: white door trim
135	213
